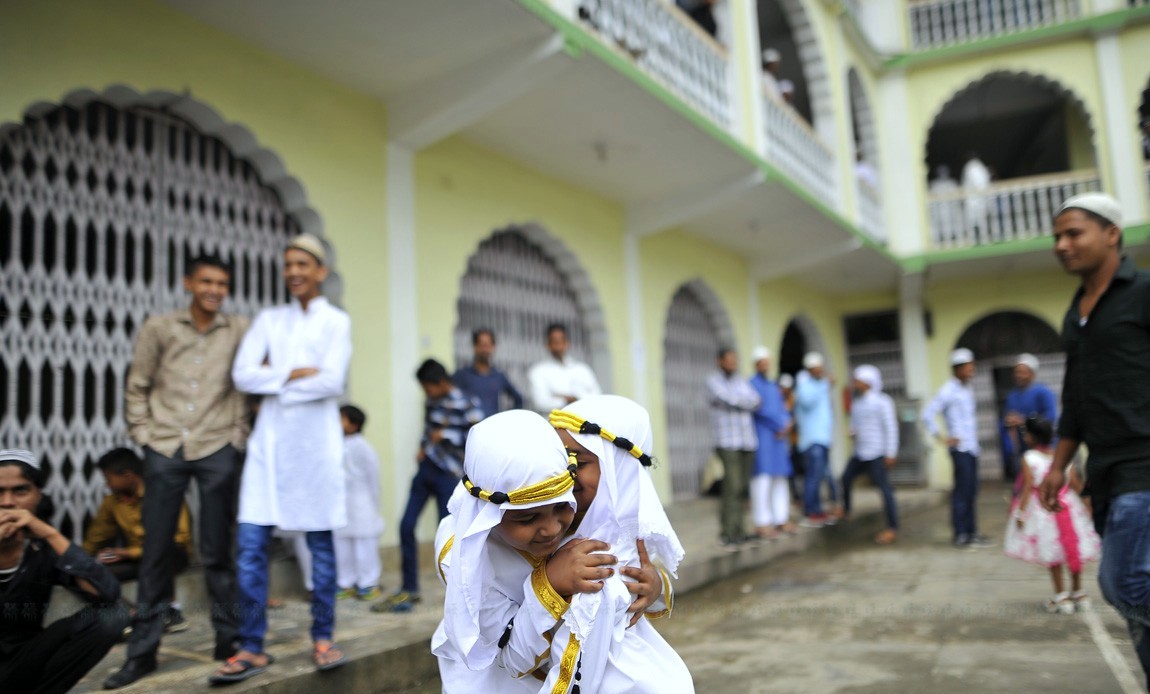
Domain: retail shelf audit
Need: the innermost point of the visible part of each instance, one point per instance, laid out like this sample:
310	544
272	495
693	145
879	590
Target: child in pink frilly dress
1038	536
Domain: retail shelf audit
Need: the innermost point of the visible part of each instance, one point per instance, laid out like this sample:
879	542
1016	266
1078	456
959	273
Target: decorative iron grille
100	208
690	344
513	288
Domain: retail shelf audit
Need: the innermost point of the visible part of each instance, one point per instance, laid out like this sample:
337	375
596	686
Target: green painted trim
1133	235
1102	23
585	42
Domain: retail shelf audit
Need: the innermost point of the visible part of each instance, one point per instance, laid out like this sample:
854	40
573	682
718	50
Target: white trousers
357	562
770	500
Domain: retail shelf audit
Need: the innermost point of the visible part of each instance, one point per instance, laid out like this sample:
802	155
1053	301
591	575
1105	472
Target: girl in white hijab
593	649
510	512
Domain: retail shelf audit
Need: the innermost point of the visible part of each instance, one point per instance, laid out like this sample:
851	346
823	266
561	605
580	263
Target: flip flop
249	670
324	650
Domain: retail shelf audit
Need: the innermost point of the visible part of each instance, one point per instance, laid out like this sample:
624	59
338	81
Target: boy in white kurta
296	357
357	543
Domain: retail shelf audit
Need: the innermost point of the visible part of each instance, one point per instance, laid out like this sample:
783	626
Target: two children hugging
530	598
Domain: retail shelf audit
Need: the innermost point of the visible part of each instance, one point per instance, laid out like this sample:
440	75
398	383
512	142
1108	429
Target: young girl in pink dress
1038	536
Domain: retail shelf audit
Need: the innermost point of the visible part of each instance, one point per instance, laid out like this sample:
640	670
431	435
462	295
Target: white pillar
916	365
406	398
635	319
904	220
745	14
1121	126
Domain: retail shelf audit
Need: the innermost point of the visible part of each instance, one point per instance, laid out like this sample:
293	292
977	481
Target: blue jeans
815	462
429	480
876	468
252	579
965	494
1124	574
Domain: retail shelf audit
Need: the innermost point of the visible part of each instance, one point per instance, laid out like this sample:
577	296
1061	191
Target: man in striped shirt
875	431
732	401
955	402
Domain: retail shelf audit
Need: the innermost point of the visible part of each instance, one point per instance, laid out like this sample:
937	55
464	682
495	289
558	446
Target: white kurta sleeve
331	381
590	383
249	372
527	645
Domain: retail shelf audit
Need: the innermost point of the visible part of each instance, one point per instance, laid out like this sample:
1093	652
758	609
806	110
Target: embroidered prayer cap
870	375
309	243
961	356
760	353
506	452
19	455
1028	360
813	360
1100	204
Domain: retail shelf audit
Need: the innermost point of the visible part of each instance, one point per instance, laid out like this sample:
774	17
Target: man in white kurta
560	380
296	357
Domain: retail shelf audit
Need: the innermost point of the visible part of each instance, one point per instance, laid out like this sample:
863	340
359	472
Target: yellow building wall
1135	49
330	138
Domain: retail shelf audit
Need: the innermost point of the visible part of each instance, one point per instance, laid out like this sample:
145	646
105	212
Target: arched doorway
799	337
996	341
519	281
102	201
1013	146
697	327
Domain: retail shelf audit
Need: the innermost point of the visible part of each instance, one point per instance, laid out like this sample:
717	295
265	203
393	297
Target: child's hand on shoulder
574	568
648	585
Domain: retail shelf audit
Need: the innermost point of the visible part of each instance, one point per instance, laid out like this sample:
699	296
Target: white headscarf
626	505
505	452
871	376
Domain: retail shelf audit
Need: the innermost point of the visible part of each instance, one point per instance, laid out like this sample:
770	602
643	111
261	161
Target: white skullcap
759	353
961	356
870	375
786	86
1100	204
310	244
772	56
19	455
786	381
1028	360
813	360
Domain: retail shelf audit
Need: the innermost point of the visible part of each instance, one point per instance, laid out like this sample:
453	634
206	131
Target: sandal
247	670
1081	601
321	653
886	537
1061	603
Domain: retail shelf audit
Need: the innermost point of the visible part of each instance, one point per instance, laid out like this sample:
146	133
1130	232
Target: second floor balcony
1010	210
938	23
794	147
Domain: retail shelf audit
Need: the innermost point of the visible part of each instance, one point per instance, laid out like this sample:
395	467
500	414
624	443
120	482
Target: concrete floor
920	616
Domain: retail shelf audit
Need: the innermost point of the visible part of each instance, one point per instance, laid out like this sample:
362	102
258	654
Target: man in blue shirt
1027	399
481	380
814	417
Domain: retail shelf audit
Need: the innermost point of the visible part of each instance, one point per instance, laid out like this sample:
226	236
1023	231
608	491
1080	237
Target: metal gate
100	207
690	345
514	289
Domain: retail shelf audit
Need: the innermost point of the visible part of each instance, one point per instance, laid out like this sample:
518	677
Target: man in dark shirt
34	557
1106	401
482	380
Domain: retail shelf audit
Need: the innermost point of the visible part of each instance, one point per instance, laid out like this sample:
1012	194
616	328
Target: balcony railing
870	211
796	149
1020	208
669	46
935	23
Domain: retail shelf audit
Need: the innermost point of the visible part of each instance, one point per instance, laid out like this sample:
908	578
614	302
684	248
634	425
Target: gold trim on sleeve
567	666
553	601
668	596
443	555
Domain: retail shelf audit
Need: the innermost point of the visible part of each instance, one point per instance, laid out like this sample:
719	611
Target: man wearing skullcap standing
295	357
1028	398
955	402
1106	401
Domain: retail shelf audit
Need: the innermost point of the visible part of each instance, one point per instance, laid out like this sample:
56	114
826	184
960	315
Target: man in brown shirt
183	409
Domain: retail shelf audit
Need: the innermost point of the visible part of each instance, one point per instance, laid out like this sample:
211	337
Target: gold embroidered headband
550	488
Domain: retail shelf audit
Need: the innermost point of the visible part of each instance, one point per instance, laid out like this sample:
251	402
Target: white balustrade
1010	210
870	211
796	149
935	23
669	46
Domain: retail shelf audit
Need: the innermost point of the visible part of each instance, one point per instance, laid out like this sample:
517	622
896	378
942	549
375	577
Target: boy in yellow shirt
116	535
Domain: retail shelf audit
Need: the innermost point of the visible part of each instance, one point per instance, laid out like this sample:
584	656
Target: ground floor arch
996	340
103	199
696	328
518	281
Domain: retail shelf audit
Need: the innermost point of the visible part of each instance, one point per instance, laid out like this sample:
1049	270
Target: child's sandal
1061	603
1081	601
